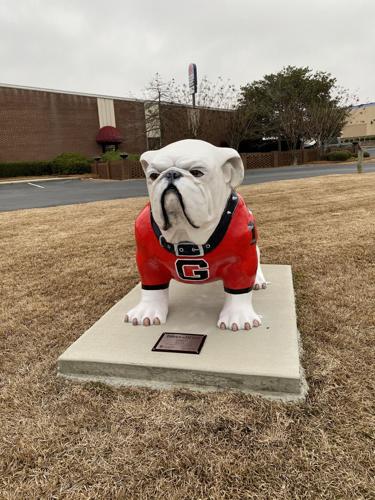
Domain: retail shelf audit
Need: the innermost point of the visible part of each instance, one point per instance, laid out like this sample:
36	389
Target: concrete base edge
119	382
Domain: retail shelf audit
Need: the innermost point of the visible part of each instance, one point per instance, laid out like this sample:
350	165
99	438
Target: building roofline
116	98
363	105
70	92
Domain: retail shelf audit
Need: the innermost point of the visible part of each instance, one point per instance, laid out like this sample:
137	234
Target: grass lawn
62	268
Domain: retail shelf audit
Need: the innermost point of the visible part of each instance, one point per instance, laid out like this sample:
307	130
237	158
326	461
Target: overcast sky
114	47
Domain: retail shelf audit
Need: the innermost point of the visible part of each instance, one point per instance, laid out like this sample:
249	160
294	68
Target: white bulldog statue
196	229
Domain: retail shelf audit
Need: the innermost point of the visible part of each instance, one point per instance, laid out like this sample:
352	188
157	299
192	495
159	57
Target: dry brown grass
62	268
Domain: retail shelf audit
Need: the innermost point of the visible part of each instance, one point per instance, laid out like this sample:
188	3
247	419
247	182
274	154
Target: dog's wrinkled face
189	183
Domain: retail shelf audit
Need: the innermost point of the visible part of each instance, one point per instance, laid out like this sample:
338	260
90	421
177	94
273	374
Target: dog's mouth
171	188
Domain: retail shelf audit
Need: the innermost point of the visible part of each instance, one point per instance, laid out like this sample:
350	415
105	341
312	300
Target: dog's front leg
238	313
151	310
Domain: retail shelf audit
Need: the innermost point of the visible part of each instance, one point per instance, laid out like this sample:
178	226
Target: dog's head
190	181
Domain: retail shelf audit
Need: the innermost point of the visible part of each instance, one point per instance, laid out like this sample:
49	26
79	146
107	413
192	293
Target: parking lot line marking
36	185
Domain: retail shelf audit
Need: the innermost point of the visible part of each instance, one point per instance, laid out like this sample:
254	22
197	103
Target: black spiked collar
189	249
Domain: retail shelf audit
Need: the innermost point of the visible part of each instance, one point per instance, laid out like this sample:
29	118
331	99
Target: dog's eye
196	173
154	176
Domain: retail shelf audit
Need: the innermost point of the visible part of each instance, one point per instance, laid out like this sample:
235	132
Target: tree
169	112
156	93
326	119
216	102
289	104
241	124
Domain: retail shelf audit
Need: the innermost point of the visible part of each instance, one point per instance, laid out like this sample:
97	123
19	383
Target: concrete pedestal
263	360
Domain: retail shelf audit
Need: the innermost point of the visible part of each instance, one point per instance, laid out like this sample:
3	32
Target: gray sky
114	47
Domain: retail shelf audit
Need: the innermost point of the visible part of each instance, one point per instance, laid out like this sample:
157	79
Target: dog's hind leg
260	280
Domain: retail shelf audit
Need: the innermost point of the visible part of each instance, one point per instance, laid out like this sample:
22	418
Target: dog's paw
147	314
238	318
259	284
260	280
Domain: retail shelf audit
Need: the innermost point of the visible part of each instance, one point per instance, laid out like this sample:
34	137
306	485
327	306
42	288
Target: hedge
25	168
64	164
338	156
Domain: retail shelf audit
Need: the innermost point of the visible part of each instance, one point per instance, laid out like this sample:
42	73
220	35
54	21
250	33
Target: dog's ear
146	158
232	166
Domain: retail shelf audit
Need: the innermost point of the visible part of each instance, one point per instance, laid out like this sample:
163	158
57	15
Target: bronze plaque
188	343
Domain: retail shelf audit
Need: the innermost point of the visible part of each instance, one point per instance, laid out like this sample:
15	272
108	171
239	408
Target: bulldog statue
196	229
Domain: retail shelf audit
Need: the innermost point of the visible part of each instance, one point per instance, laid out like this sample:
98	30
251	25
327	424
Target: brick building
39	124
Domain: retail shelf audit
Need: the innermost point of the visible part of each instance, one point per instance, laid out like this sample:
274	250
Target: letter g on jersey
192	269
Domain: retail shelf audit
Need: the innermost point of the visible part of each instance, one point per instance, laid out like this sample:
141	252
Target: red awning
108	135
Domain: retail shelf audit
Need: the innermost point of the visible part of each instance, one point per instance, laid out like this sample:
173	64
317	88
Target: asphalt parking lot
43	193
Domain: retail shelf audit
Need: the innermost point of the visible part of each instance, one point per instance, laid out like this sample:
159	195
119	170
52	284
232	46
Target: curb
32	179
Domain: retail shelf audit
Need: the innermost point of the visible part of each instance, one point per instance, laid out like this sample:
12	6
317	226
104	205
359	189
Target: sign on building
193	78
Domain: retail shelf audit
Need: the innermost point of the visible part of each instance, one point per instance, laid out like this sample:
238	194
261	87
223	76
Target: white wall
106	112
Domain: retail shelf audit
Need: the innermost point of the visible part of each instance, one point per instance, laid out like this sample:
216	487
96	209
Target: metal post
360	159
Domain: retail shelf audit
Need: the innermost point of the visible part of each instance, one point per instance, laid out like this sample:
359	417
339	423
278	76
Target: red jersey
228	255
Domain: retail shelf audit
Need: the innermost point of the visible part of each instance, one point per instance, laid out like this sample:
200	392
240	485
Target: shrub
25	168
111	156
134	156
116	155
70	163
338	156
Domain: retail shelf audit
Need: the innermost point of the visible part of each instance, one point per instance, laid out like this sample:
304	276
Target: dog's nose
171	175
